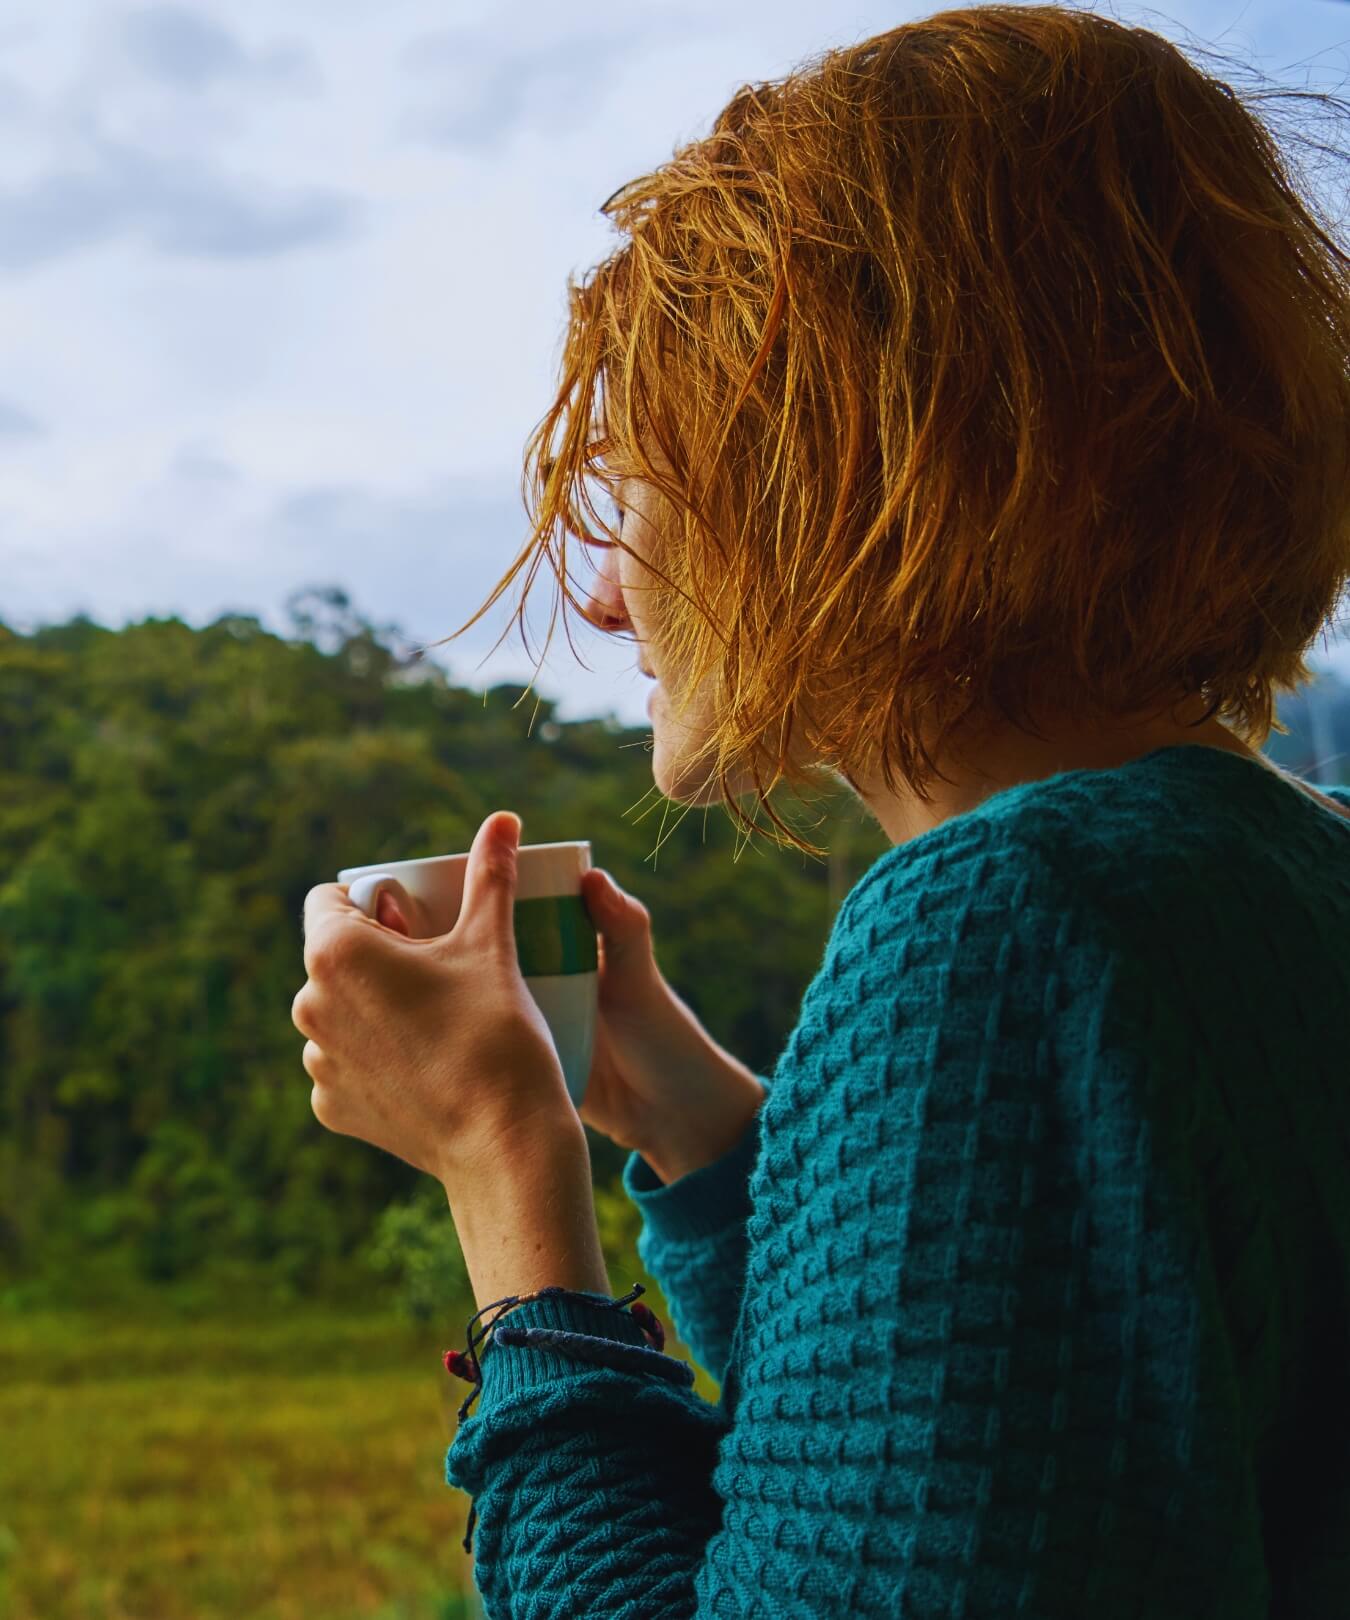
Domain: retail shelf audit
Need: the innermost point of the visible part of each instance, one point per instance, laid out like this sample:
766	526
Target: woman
975	399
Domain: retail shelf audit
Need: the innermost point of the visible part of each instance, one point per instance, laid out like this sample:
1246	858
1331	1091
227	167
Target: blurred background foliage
168	796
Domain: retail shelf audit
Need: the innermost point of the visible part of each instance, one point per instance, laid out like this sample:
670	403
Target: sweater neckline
1239	764
1244	762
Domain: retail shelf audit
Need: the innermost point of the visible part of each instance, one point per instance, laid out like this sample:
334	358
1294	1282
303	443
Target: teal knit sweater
1028	1289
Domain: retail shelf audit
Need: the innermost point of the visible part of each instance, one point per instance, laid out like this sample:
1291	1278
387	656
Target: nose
605	607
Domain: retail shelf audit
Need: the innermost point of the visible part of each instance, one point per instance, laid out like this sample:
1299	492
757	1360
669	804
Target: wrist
502	1134
696	1139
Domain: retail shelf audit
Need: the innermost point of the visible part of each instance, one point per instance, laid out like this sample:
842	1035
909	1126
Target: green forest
168	795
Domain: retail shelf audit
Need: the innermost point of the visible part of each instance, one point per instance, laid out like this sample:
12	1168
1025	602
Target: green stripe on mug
554	934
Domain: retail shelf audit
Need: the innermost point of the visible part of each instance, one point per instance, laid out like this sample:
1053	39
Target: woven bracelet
465	1363
603	1352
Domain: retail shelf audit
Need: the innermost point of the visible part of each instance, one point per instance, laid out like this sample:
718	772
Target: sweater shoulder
974	976
1129	851
969	876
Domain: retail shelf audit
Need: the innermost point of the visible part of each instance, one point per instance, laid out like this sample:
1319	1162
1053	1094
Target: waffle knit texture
1028	1288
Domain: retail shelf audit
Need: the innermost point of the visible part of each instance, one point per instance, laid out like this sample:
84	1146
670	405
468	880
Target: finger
334	927
322	1105
323	1096
302	1010
624	921
323	901
390	913
490	879
330	923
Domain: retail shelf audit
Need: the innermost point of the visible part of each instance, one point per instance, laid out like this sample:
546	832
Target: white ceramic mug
555	937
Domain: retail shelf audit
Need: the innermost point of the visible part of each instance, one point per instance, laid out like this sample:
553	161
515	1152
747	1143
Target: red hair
994	357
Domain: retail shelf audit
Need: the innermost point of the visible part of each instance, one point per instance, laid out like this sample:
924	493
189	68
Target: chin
692	786
680	789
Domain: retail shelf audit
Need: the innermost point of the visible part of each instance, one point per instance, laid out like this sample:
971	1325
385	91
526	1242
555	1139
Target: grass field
288	1468
201	1453
283	1465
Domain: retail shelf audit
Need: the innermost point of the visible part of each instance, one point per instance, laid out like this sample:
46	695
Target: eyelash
596	540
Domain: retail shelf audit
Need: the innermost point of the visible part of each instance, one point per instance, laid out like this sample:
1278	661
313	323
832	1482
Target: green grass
269	1462
287	1467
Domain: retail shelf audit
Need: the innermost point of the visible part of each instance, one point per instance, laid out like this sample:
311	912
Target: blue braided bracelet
584	1346
604	1352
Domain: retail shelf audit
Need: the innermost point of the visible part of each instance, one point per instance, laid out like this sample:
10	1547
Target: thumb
490	877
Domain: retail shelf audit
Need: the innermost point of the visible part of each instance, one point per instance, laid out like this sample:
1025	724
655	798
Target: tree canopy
168	795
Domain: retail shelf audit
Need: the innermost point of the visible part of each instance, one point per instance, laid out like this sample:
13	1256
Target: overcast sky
283	285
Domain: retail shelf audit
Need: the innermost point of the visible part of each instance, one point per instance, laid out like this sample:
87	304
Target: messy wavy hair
995	358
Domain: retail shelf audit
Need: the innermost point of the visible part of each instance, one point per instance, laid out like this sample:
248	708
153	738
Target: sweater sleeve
592	1486
693	1242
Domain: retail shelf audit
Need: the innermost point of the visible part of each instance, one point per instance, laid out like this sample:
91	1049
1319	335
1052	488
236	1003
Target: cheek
684	729
675	771
627	572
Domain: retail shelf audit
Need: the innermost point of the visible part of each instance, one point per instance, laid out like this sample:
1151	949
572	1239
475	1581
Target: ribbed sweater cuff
702	1203
510	1368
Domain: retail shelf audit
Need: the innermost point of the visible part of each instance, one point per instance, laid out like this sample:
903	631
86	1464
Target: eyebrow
606	451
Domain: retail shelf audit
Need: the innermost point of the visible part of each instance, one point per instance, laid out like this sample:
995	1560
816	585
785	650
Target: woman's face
1005	755
617	603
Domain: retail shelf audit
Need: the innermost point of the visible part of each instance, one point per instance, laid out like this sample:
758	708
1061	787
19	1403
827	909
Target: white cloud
172	207
17	423
478	87
190	50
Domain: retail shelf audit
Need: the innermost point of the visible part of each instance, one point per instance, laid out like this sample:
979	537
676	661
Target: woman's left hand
432	1049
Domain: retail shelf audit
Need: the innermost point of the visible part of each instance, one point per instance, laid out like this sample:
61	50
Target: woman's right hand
659	1084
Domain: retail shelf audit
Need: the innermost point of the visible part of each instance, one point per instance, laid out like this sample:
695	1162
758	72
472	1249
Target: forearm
525	1215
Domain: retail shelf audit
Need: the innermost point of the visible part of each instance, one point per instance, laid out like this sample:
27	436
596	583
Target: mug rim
462	855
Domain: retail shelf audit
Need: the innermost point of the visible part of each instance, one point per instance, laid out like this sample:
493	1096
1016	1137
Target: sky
282	287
